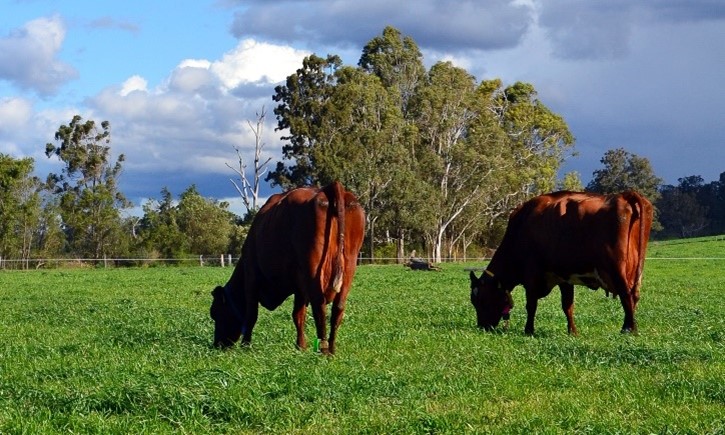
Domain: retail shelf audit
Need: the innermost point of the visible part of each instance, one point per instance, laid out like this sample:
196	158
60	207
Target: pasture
129	351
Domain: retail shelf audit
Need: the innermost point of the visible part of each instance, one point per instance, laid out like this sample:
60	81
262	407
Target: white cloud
257	62
15	113
186	128
28	56
134	83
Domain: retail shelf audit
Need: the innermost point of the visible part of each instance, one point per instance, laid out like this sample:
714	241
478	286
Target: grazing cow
563	239
304	242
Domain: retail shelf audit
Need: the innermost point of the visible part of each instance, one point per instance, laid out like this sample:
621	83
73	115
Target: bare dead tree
249	191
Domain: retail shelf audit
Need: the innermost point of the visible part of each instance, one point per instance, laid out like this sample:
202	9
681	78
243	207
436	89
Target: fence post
229	259
201	260
221	260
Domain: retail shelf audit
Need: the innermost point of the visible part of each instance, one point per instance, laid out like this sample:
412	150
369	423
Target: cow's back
293	241
568	232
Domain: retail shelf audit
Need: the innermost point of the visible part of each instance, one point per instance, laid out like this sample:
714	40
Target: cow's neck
501	267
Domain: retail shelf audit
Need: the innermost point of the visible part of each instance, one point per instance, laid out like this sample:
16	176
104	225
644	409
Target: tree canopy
87	188
393	133
625	171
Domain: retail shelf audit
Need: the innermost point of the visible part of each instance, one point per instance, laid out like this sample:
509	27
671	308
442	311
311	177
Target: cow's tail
338	271
643	209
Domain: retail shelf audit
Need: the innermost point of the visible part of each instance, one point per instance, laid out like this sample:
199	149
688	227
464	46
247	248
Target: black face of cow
227	326
491	302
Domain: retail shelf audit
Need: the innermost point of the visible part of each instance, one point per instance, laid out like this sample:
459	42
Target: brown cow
304	242
563	239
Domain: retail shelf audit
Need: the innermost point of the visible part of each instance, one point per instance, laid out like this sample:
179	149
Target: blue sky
179	80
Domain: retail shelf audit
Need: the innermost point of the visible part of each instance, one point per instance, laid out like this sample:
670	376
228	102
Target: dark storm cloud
695	10
602	29
433	24
587	30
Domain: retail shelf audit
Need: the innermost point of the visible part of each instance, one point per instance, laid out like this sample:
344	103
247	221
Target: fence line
227	260
36	263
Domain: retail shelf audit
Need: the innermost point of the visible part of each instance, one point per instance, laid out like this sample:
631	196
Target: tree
712	196
625	171
159	229
250	189
19	207
693	207
206	224
355	134
429	153
195	225
444	110
87	188
301	113
49	239
680	214
524	143
397	62
571	181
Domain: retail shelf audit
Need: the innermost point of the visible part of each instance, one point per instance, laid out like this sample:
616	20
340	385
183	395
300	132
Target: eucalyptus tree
159	232
539	138
205	223
397	61
87	188
443	109
572	181
352	131
625	171
20	207
301	113
428	152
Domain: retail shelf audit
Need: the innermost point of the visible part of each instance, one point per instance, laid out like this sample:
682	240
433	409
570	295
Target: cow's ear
474	279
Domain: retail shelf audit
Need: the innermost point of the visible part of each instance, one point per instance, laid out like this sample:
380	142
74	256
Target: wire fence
71	263
226	260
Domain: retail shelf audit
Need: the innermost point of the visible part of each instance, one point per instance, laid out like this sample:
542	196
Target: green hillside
702	247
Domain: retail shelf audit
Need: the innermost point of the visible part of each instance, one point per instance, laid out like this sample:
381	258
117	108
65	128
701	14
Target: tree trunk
401	246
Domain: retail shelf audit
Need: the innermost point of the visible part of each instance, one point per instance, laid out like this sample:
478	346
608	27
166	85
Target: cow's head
227	321
491	301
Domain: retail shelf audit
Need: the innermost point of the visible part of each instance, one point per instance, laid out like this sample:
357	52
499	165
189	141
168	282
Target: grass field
128	351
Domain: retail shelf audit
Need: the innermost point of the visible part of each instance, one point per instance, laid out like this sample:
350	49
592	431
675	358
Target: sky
180	81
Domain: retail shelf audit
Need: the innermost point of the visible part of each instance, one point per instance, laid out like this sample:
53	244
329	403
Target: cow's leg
299	315
251	312
628	304
635	296
567	304
319	313
338	310
251	320
532	301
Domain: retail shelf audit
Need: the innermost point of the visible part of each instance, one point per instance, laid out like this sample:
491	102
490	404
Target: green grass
702	247
128	351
